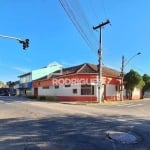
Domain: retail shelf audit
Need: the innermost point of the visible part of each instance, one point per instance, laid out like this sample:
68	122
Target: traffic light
25	43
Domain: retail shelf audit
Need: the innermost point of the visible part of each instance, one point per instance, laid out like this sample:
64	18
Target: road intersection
35	125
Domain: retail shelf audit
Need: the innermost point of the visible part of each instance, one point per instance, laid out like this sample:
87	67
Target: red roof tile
90	68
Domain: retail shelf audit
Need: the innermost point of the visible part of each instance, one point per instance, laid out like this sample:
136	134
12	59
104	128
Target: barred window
56	86
74	91
118	88
67	85
87	89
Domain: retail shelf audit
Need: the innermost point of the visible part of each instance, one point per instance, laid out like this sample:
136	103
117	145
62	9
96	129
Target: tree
133	79
2	84
146	88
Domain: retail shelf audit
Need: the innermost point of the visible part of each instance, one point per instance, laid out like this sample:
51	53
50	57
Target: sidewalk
102	103
105	102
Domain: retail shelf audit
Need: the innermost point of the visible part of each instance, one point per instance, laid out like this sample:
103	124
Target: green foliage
42	98
31	97
53	99
133	79
141	84
146	79
2	84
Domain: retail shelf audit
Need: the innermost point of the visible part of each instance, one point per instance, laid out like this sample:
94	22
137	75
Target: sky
55	38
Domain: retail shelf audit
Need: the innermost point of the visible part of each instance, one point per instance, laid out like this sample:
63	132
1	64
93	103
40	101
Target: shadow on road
71	133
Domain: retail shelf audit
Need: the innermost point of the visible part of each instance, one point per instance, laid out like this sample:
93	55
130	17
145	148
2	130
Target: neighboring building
25	85
79	83
12	87
146	95
136	94
4	92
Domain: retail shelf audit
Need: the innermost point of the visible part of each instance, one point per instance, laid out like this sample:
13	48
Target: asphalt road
32	125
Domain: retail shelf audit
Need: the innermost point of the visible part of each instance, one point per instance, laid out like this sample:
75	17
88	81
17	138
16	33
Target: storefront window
87	89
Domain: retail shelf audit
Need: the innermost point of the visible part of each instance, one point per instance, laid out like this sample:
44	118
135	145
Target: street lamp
124	64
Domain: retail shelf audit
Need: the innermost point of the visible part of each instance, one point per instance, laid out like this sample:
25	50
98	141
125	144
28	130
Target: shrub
42	98
31	97
53	99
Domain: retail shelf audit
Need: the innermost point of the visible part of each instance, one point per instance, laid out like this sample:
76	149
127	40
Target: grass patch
53	99
42	98
31	97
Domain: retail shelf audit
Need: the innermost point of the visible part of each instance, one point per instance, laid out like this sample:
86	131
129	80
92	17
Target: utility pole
25	42
122	77
99	68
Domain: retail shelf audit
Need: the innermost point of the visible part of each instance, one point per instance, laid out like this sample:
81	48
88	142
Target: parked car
12	94
4	93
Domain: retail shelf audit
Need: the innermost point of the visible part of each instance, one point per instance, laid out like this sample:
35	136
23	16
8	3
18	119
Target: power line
92	8
95	13
80	14
104	9
74	12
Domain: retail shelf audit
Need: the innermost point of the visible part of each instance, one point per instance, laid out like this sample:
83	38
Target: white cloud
20	69
23	70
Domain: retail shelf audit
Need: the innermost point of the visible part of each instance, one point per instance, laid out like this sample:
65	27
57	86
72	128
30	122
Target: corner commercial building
79	83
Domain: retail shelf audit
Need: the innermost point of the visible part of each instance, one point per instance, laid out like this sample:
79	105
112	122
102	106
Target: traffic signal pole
99	68
24	42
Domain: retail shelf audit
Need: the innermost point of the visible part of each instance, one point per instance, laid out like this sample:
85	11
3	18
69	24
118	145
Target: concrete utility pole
99	99
122	77
24	42
122	72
